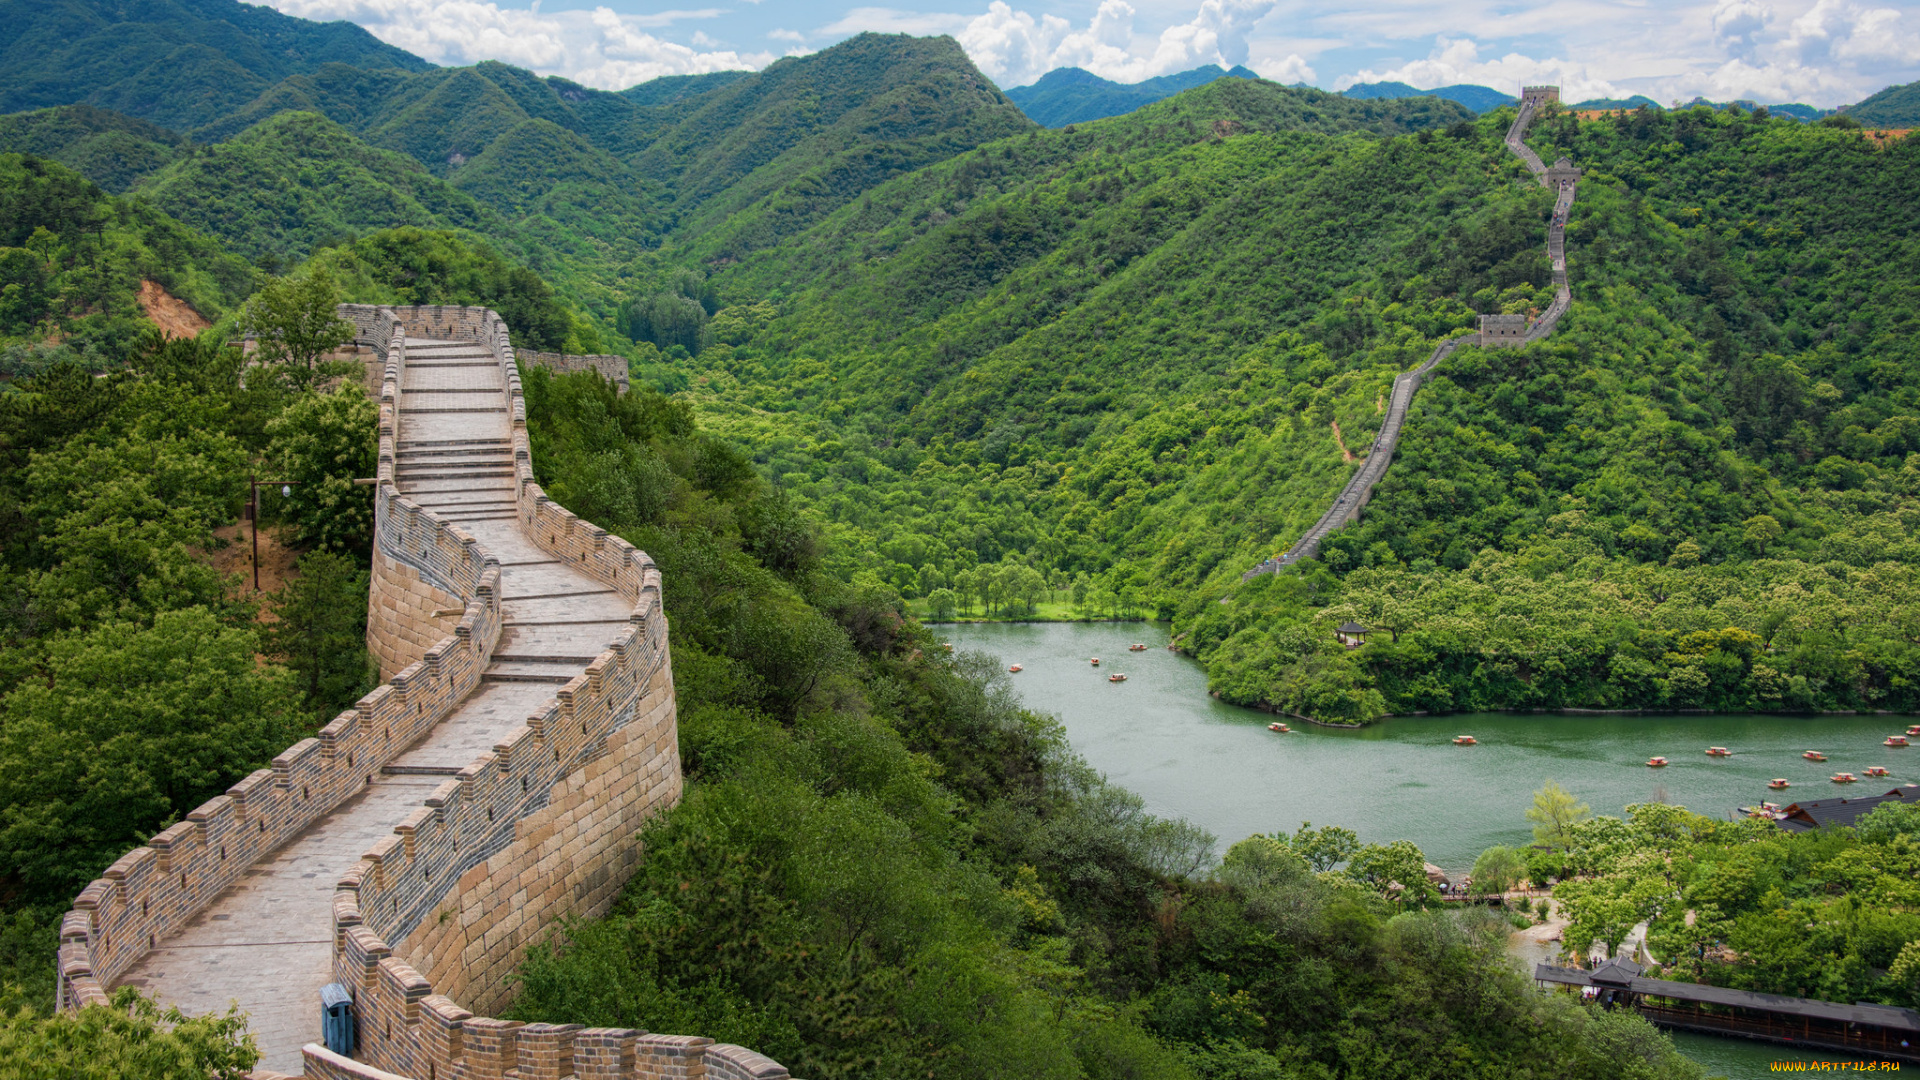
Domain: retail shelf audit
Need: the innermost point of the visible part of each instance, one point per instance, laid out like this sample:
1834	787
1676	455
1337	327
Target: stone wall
611	368
544	826
1496	331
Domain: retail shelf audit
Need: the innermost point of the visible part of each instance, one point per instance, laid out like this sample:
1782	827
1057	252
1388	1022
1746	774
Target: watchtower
1501	331
1563	175
1539	96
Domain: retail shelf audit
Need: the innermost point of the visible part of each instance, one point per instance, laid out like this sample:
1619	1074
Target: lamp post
253	515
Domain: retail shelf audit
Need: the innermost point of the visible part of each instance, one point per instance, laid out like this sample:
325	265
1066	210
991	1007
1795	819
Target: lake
1190	756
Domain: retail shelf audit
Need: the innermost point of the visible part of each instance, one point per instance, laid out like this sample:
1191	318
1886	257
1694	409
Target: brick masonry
543	826
1495	331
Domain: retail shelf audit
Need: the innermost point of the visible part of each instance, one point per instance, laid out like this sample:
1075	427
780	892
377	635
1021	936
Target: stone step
517	674
536	658
462	475
558	595
420	770
404	445
475	409
451	389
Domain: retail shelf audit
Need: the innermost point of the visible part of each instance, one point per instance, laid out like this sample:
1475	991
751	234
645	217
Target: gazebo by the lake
1351	634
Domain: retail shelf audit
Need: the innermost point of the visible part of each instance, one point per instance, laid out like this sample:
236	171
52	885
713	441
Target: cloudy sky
1822	52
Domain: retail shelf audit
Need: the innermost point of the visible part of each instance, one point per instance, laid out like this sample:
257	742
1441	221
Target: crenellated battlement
539	823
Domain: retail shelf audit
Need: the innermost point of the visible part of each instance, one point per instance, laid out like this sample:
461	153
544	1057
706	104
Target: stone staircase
263	942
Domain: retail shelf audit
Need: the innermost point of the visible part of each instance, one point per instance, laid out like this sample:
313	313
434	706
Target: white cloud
599	48
892	21
786	35
1457	60
1013	47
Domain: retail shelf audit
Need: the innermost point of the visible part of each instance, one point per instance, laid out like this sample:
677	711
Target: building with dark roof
1830	813
1882	1031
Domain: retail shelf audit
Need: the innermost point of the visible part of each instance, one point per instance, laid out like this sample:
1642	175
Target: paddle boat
1281	728
1778	784
1719	751
1015	668
947	645
1656	763
1876	770
1118	676
1136	647
1096	661
1914	730
1845	778
1814	755
1897	740
1465	740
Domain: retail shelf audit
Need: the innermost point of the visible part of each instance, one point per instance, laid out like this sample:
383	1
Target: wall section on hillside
543	826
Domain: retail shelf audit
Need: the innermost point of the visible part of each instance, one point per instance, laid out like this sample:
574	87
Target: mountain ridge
1075	96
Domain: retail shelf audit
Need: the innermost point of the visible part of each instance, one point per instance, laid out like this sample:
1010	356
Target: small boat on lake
1814	755
1719	751
1015	668
1118	676
1778	784
1136	647
1845	778
1876	770
1465	740
1656	763
1281	728
1096	661
1897	740
1914	730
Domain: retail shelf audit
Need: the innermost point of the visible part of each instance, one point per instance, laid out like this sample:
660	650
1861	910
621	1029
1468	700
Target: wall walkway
426	837
1353	497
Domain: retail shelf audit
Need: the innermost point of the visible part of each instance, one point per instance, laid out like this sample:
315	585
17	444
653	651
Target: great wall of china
1496	331
417	847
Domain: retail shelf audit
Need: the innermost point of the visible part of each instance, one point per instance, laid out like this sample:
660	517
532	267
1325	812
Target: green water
1189	756
1745	1059
1160	735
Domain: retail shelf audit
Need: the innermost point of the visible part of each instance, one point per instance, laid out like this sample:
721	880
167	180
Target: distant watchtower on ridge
1539	96
1562	175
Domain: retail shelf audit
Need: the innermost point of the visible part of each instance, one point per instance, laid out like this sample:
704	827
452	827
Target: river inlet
1189	756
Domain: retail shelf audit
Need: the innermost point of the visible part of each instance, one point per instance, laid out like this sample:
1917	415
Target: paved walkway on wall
265	942
1359	487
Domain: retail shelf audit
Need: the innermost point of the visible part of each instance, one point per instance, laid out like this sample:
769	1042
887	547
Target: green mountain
297	181
1143	351
180	63
1478	98
768	155
112	150
1894	107
1074	96
73	260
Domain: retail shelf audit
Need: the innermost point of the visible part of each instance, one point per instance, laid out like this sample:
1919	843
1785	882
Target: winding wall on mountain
1495	331
496	782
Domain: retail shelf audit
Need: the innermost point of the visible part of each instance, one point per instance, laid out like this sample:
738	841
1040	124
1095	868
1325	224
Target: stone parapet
611	368
542	826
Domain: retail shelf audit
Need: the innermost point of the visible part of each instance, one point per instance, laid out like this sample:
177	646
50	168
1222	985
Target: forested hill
181	63
1141	352
1074	96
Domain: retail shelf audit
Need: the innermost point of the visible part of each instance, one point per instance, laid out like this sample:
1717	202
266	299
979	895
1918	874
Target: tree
940	604
1497	870
1554	812
1401	863
295	325
124	728
130	1037
319	632
322	443
1761	530
1323	848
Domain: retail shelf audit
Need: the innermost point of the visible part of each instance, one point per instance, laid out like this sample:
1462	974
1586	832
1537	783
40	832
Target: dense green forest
884	866
1137	352
1826	914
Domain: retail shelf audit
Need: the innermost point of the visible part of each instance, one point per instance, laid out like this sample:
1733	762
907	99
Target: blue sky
1822	52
